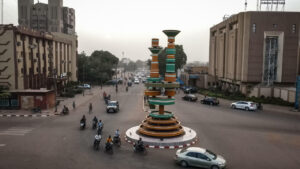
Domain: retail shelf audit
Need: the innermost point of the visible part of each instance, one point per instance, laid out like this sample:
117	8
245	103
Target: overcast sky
129	25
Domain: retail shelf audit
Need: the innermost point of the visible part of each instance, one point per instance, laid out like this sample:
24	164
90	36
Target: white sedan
245	105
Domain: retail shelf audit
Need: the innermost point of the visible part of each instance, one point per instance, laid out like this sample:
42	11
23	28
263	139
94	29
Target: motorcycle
109	147
82	125
97	142
139	148
65	111
117	141
94	124
99	129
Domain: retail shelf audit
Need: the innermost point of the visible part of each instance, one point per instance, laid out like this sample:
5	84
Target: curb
165	147
27	115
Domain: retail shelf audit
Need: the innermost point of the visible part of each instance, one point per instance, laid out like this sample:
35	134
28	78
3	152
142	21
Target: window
203	157
294	28
254	28
192	154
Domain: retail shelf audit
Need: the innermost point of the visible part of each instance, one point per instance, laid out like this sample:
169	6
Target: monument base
187	139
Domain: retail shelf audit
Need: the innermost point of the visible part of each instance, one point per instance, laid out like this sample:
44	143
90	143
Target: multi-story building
255	48
51	17
32	59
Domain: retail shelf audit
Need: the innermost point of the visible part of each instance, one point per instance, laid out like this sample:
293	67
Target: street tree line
96	68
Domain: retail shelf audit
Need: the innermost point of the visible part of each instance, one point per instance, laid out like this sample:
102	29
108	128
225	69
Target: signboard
272	2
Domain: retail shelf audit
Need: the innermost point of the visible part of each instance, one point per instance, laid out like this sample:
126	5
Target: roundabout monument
161	129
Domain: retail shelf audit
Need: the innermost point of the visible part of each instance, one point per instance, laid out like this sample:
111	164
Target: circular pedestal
185	140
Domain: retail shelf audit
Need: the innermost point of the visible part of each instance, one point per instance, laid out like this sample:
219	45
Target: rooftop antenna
246	5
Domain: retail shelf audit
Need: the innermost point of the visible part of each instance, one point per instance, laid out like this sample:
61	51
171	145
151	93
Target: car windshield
210	154
111	104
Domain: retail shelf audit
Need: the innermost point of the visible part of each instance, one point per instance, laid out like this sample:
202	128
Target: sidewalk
79	100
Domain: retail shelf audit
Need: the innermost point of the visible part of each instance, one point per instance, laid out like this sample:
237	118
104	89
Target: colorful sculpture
161	123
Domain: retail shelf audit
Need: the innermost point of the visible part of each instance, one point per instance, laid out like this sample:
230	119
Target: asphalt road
247	140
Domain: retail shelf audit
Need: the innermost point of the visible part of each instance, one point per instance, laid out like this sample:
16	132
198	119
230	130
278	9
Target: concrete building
253	49
51	17
196	76
35	60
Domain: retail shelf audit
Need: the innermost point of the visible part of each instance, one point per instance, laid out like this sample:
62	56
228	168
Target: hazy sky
129	25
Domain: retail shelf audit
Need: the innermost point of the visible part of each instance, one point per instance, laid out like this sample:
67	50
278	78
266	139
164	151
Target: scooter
117	141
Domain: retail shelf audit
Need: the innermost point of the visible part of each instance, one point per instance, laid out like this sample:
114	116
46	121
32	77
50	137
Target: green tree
96	68
180	57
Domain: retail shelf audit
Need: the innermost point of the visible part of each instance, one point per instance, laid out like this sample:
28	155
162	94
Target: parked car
190	97
210	101
190	90
136	81
112	106
111	82
84	86
129	84
199	157
246	105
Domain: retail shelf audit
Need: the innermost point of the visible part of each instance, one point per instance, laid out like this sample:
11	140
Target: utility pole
2	4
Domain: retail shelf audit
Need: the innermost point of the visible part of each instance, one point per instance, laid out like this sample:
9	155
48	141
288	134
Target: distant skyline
128	25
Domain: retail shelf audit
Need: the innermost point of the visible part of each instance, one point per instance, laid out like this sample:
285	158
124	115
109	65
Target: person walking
90	108
74	106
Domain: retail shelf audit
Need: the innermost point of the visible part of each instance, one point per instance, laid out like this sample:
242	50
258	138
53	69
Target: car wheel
247	108
214	167
184	164
233	106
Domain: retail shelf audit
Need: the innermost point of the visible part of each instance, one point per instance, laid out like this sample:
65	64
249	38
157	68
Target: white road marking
16	131
2	145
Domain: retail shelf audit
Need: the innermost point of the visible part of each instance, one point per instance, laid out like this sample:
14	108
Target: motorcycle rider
95	122
117	136
100	126
97	141
140	144
83	121
126	88
109	143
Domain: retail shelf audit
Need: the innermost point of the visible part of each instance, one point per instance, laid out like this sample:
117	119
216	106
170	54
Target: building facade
51	17
196	76
255	48
33	60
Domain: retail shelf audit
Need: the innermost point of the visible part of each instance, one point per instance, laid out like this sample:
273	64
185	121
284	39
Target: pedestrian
90	108
83	93
55	108
74	106
101	86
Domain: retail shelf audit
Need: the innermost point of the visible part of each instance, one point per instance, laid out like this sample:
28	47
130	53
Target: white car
199	157
85	86
136	81
246	105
